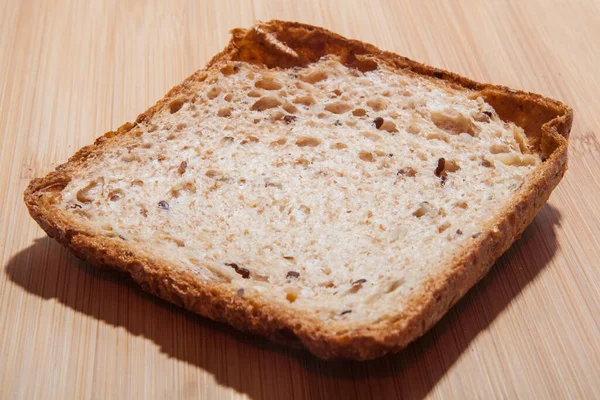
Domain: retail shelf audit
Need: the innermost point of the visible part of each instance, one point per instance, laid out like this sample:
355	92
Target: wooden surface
71	70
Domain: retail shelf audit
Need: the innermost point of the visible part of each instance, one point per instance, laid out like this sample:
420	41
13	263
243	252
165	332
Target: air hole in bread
182	167
451	166
230	68
129	157
115	195
407	171
353	289
290	108
454	122
306	100
202	77
422	155
366	156
424	208
224	112
176	104
339	145
277	115
481	117
356	286
441	228
268	84
461	204
377	104
385	125
278	142
87	194
265	103
178	242
313	76
338	107
213	92
260	278
371	136
394	285
498	148
254	93
305	209
438	135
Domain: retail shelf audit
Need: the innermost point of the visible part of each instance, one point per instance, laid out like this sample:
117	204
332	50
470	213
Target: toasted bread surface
278	54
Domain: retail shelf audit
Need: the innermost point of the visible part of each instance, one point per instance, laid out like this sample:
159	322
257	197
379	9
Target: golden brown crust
546	122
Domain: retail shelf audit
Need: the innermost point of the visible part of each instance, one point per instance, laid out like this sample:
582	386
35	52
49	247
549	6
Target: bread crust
546	122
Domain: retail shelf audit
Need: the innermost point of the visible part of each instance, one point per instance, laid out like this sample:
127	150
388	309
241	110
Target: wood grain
71	70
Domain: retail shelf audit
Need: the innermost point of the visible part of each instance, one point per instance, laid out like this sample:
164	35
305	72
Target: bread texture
312	189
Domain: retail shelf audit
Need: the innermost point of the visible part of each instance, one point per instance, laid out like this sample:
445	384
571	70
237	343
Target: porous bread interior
325	189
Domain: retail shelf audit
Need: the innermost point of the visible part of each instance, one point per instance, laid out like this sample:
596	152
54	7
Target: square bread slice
312	189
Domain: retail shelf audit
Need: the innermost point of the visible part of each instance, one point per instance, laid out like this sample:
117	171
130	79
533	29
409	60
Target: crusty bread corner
546	122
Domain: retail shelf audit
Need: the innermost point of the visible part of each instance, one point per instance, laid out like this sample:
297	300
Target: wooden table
71	70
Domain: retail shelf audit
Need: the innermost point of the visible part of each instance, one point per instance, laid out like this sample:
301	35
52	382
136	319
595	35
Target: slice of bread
312	189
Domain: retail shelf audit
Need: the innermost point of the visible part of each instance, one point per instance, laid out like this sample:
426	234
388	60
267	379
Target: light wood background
71	70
